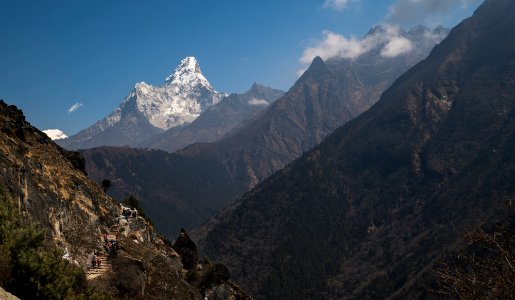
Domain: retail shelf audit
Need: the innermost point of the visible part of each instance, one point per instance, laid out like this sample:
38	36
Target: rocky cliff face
368	212
51	189
149	110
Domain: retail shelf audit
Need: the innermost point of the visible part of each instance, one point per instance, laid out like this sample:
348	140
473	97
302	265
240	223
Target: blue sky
54	54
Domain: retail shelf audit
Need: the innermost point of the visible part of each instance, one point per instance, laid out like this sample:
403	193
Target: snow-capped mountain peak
149	109
55	134
184	96
187	73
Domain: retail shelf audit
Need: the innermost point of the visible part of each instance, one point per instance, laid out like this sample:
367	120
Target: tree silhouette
106	184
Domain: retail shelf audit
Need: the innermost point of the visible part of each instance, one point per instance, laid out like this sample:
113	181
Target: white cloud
412	12
334	45
255	101
387	38
301	71
396	46
336	4
74	107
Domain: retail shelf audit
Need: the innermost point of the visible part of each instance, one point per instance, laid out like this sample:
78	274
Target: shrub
29	267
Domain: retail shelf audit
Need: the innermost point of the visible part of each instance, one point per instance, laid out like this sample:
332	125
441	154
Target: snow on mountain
185	94
150	109
55	134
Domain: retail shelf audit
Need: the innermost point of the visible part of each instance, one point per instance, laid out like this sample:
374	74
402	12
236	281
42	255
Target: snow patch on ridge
55	134
255	101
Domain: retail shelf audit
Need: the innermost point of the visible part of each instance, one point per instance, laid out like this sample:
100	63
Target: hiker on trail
66	254
94	261
98	261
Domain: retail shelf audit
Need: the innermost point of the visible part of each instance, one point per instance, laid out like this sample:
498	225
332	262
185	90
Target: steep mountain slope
150	110
48	186
368	212
217	120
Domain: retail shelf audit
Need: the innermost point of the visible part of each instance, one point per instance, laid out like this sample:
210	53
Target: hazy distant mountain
217	120
326	96
369	212
55	134
150	110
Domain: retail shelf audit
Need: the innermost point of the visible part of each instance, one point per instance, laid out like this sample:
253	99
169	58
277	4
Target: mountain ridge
369	212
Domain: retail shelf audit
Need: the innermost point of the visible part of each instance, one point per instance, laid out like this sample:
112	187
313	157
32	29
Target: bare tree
486	268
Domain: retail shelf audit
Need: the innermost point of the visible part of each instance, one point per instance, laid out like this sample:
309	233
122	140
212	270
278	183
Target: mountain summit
149	110
187	71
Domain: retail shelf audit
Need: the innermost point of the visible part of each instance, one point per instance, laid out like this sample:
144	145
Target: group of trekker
110	240
95	261
110	247
127	212
110	244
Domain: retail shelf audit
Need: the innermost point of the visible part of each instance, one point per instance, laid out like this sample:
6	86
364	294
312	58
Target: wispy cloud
332	44
74	107
396	46
255	101
336	4
412	12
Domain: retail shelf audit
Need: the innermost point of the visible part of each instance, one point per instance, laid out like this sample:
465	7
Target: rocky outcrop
7	296
50	189
187	250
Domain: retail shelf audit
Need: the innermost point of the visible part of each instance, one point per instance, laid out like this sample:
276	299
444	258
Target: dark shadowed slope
166	184
368	212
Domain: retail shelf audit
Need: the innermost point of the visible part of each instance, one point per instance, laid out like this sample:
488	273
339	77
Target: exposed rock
187	249
221	273
7	296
